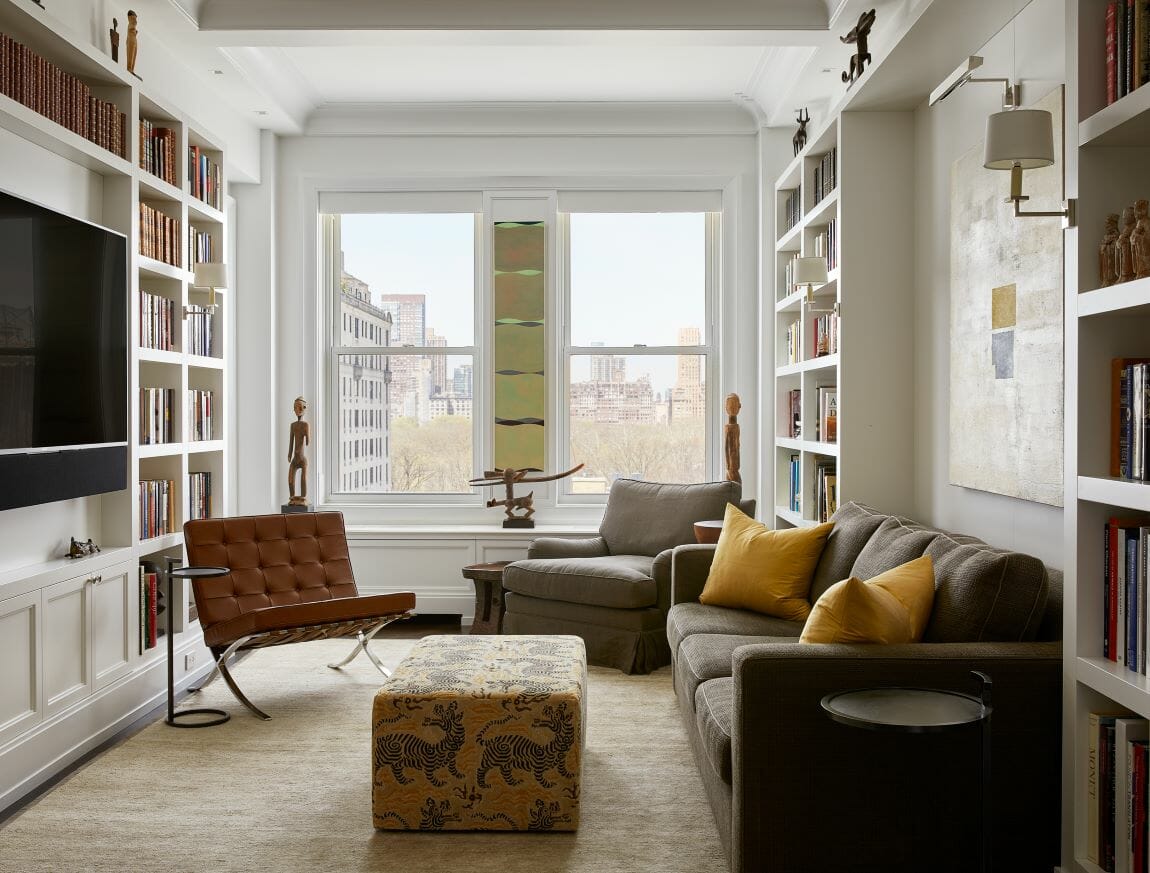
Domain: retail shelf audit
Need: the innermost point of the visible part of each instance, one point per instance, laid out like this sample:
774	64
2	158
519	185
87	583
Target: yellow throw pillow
768	571
893	607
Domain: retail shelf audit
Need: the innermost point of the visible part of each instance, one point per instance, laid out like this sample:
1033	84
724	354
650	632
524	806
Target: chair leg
210	678
364	639
222	667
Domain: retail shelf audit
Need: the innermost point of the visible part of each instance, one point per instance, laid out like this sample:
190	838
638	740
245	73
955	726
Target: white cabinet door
67	643
114	593
21	675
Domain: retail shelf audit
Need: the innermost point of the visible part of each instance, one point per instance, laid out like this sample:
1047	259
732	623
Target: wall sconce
1023	139
964	74
810	272
210	275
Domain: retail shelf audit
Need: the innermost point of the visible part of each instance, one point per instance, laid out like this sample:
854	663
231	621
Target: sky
634	278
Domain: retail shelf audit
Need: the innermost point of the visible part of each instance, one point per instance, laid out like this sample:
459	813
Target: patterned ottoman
481	733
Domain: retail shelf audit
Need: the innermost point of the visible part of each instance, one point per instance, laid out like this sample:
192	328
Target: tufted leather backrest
276	560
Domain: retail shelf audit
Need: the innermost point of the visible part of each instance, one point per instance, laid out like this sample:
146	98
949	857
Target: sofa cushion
887	609
687	619
854	525
645	518
984	594
708	656
714	719
894	543
618	581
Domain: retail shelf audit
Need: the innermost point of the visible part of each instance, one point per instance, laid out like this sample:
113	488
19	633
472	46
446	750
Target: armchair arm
661	573
789	758
689	568
561	547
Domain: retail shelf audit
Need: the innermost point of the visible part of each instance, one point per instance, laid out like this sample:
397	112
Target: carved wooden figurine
1108	252
731	437
298	438
800	138
509	478
858	35
1140	239
114	38
1125	255
133	42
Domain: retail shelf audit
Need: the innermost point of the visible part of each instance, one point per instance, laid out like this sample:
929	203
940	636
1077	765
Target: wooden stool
489	606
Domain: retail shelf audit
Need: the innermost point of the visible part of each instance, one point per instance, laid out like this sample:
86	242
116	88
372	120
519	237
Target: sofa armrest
689	568
661	573
789	758
561	547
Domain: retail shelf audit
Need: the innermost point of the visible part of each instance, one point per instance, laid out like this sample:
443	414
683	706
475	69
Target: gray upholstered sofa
794	792
614	590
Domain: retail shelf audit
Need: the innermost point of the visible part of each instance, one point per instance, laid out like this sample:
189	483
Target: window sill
465	531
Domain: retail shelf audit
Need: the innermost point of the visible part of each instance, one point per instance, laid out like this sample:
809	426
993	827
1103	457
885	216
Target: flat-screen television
63	356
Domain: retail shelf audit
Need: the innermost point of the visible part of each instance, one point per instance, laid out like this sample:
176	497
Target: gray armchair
614	590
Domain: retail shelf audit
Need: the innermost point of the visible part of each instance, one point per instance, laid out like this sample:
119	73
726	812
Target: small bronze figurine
114	37
299	436
858	35
1140	239
731	437
1108	252
82	550
133	42
800	138
509	478
1125	255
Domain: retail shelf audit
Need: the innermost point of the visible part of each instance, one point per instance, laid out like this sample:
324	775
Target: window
638	346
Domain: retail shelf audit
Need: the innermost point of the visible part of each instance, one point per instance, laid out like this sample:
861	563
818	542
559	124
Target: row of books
157	507
826	489
198	331
826	334
201	246
201	414
826	175
158	151
157	421
1124	592
1127	47
199	495
1130	418
160	236
204	177
791	413
827	413
826	244
1116	792
157	317
788	286
152	616
794	485
793	342
59	96
792	210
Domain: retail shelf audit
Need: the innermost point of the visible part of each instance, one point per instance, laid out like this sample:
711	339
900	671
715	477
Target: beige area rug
294	793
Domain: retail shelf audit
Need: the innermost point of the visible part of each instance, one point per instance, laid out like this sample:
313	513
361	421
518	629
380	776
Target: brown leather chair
290	582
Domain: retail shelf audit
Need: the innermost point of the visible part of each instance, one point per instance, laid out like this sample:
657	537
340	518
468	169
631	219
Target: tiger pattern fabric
481	733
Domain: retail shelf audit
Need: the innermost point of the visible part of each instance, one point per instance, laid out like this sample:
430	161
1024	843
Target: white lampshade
1019	136
810	271
210	275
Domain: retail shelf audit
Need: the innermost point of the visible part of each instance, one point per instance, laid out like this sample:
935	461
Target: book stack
1127	47
160	236
794	498
200	411
199	495
157	507
792	210
198	331
1116	791
788	286
794	342
157	314
790	415
826	334
1124	594
827	416
59	96
826	175
1129	418
152	618
204	177
826	486
201	246
156	420
826	244
158	151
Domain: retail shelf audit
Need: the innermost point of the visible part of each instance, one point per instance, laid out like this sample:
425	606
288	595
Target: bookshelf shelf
161	543
822	211
1115	492
792	518
199	211
152	187
791	303
161	450
34	127
789	241
206	362
159	356
1125	122
40	30
1131	690
152	267
789	443
202	446
1128	298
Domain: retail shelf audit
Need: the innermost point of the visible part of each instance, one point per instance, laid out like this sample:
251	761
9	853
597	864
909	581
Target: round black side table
173	715
919	711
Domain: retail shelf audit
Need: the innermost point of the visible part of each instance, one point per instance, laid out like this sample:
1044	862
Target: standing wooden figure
133	42
731	438
1140	239
299	436
1108	252
114	38
858	35
1125	255
800	137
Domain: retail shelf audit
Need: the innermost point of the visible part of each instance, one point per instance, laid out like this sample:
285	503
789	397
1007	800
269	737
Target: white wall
944	133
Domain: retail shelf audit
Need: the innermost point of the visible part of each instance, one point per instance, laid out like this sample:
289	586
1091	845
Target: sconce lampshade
810	271
1019	136
210	275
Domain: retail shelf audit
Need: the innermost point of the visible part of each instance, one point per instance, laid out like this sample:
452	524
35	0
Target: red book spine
1112	586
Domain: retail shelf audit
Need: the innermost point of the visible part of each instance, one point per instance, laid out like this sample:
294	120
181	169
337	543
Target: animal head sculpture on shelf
524	504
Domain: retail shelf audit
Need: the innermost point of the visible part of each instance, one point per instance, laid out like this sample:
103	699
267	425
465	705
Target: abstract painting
520	395
1006	317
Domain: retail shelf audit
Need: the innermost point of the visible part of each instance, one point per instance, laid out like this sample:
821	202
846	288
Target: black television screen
63	331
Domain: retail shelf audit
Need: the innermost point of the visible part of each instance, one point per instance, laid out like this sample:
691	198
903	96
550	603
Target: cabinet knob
95	580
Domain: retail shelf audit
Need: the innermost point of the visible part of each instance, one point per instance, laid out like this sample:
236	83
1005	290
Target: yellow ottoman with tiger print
481	733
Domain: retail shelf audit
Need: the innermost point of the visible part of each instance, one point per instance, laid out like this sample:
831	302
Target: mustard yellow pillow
893	607
768	571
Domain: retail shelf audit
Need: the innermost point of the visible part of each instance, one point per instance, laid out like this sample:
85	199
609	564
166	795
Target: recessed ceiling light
826	70
261	112
218	72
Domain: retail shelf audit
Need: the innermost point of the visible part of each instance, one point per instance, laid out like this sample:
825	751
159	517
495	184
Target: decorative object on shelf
858	36
509	478
133	42
1125	255
210	275
1140	239
731	437
114	40
965	74
299	436
1108	253
1023	139
82	550
1006	335
800	138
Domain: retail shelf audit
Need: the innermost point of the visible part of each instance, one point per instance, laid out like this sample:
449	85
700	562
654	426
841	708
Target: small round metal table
173	716
919	711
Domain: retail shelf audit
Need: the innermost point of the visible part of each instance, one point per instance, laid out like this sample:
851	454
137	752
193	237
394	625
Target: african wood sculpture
1108	252
858	35
800	137
114	39
509	478
1125	255
731	437
299	436
1140	239
133	42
